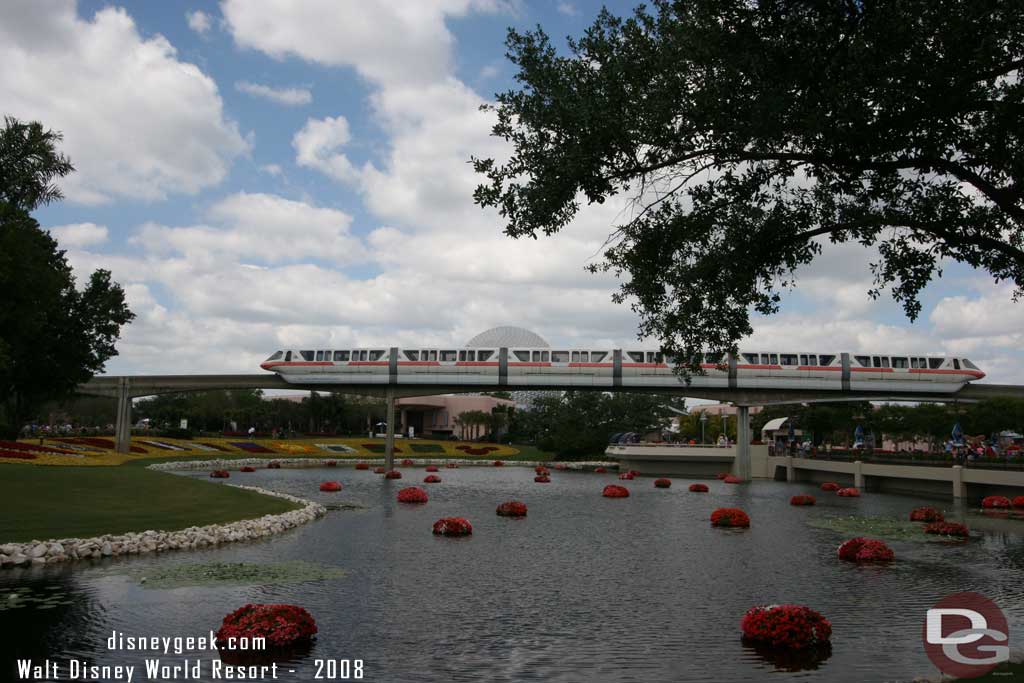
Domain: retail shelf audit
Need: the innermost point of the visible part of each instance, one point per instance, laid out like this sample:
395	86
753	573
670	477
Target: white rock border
300	462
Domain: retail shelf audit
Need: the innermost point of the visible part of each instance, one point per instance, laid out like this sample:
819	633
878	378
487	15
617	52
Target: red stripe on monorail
591	365
368	362
297	363
645	365
529	365
477	363
759	367
418	362
820	368
871	370
973	373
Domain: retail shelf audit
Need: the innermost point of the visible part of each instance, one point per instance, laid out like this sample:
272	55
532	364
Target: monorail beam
389	443
123	421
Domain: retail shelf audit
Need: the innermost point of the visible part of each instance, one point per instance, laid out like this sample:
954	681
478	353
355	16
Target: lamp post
725	428
703	421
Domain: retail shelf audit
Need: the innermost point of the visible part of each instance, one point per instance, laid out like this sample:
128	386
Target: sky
261	174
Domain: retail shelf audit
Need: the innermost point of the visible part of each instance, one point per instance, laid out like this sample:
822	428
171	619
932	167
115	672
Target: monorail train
523	368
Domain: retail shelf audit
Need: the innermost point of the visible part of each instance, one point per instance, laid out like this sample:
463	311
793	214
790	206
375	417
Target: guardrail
1009	464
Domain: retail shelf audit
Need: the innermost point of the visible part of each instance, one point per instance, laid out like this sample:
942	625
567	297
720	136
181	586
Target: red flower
1018	502
849	492
626	476
730	517
431	468
699	488
926	514
393	474
512	508
453	526
785	626
662	483
862	549
247	469
220	474
412	494
362	466
730	479
802	500
379	470
499	463
281	625
615	491
542	479
407	462
432	479
17	455
540	469
996	502
600	470
947	529
830	486
330	486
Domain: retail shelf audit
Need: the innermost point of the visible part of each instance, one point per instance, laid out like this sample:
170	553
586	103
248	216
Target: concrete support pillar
123	422
741	465
403	423
858	474
389	443
959	488
790	470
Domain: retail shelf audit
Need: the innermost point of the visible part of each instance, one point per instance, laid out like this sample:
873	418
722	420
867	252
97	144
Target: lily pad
234	574
876	527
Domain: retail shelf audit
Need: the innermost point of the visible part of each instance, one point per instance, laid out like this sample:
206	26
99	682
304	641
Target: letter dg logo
966	635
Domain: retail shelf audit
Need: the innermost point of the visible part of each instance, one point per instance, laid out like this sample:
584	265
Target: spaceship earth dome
508	336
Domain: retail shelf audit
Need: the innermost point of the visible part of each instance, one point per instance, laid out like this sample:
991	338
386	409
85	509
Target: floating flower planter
995	503
330	486
453	526
220	474
542	479
432	479
274	466
600	470
412	494
540	469
626	476
512	508
792	627
499	463
699	488
281	625
947	529
451	465
849	492
431	468
362	466
407	462
393	474
730	517
331	463
926	514
802	500
830	486
1018	502
862	549
731	479
247	469
379	470
615	491
721	475
662	483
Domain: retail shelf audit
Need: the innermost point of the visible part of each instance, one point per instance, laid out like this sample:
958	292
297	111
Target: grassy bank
78	502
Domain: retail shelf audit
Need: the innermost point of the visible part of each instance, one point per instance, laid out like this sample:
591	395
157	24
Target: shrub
662	483
1018	502
830	486
730	479
995	502
626	476
862	549
849	492
220	474
512	508
330	486
247	469
542	479
615	491
453	526
785	626
412	494
431	468
379	470
407	462
926	514
281	625
431	479
802	500
730	517
393	474
699	488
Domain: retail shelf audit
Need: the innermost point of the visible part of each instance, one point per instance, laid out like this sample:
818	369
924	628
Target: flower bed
426	448
699	488
730	479
393	474
378	448
379	470
97	442
475	450
626	476
281	625
330	486
412	494
250	447
362	466
615	491
512	508
453	526
947	529
995	502
17	455
431	468
849	492
247	468
432	479
18	446
926	514
542	479
862	549
662	483
785	626
802	500
830	486
220	474
730	517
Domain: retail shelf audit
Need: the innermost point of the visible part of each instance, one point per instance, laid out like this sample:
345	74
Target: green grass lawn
78	502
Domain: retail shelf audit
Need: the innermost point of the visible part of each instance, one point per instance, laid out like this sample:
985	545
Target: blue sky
259	177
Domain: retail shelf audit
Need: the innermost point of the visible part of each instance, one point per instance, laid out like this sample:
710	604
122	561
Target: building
439	416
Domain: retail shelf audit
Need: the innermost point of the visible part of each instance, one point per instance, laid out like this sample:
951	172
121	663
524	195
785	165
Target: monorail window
432	354
597	356
769	359
935	363
340	356
900	362
956	364
655	357
462	355
915	363
544	357
288	357
523	356
922	363
412	355
636	356
576	357
804	359
319	355
376	355
484	355
559	356
969	364
306	355
750	358
865	361
787	359
362	355
825	360
276	355
448	356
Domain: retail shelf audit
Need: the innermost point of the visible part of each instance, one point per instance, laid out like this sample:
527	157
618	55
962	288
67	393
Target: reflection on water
583	588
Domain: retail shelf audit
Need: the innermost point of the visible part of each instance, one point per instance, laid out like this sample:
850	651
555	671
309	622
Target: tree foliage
749	134
53	335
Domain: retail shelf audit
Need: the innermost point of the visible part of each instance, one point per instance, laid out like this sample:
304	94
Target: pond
583	588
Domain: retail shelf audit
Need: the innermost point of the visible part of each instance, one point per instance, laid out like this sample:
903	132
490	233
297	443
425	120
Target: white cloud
79	235
272	169
198	21
317	144
137	121
288	96
568	9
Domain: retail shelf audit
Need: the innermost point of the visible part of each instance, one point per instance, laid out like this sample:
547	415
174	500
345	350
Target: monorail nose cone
265	366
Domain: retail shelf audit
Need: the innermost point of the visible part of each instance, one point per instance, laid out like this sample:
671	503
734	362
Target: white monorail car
642	369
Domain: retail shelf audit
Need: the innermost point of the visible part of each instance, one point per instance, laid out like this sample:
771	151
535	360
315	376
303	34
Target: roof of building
774	425
508	336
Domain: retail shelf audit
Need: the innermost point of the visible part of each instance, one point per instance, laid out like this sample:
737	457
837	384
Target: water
584	588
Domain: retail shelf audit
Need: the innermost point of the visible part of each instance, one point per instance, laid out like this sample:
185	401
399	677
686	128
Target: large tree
750	134
53	335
